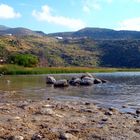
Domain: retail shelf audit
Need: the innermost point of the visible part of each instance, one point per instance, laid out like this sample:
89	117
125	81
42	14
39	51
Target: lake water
123	88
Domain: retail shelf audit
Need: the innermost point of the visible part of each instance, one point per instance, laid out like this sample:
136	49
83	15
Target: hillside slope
78	52
50	51
104	47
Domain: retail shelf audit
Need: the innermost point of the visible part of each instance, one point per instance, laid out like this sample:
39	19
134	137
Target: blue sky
70	15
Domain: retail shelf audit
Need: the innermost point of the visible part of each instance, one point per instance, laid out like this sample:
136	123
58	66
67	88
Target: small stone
17	118
87	103
109	113
124	106
138	111
104	119
22	104
47	106
16	138
47	111
36	137
67	136
112	109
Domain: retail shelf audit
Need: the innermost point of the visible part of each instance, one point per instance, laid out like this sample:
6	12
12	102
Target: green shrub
26	60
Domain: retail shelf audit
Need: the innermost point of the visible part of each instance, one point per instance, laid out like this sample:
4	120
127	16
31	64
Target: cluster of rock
85	80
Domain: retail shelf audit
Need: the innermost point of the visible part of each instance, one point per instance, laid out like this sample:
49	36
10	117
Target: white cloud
7	12
130	24
46	15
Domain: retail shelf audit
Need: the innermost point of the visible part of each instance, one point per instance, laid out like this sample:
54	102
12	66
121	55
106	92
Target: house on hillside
59	37
1	60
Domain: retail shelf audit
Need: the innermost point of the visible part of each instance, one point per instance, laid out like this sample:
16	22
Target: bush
26	60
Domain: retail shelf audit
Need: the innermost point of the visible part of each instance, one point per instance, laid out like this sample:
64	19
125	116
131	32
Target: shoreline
54	119
19	70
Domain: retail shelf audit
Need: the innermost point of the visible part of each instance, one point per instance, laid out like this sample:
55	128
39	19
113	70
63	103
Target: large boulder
97	81
61	83
86	82
104	81
88	78
75	81
86	75
50	80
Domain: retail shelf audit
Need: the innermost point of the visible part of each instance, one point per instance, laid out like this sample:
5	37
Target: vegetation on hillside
78	52
50	51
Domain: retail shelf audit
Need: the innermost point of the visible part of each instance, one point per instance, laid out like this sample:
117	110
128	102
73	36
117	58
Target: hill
4	30
107	49
100	34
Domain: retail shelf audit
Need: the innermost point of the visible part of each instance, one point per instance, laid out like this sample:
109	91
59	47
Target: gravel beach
54	119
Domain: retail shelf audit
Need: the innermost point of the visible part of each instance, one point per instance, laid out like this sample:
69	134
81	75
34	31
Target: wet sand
54	119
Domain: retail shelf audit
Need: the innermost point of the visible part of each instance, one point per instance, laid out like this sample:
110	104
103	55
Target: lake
123	88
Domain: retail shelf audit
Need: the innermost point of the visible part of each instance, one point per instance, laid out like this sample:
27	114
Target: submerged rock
138	111
61	83
50	80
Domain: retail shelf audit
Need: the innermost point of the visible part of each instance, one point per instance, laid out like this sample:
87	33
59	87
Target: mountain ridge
89	32
19	31
100	33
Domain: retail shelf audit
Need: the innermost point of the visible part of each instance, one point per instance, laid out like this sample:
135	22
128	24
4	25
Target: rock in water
61	83
138	111
75	81
86	75
86	82
88	78
97	81
104	81
50	80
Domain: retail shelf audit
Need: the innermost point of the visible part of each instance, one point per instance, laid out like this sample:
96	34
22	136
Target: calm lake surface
123	88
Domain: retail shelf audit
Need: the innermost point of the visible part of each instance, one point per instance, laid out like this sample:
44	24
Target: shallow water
123	88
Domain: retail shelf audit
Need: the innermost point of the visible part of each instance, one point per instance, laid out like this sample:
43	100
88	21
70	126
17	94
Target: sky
70	15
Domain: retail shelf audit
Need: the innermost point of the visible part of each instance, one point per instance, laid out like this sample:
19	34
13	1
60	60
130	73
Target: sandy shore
53	119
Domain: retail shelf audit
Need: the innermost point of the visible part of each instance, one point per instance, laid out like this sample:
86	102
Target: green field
18	70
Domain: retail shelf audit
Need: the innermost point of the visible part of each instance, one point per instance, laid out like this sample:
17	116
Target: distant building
8	34
1	61
59	37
